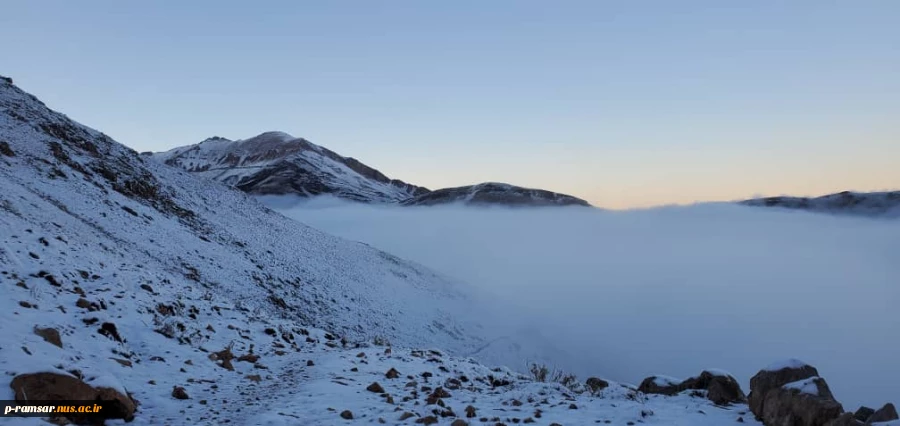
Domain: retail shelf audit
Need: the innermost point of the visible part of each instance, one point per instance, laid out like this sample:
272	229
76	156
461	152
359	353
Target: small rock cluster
721	388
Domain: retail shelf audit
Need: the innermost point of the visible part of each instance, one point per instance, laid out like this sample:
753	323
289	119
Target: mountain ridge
877	203
276	163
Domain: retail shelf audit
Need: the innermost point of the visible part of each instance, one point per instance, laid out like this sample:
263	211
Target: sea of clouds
672	290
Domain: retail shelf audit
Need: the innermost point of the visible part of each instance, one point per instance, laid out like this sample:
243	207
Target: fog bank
668	290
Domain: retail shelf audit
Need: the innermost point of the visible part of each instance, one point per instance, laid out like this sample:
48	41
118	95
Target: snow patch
791	363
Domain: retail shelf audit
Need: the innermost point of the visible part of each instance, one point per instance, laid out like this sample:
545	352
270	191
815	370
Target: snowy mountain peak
276	163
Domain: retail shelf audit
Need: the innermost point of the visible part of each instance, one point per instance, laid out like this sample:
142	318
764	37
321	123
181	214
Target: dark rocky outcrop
805	403
595	384
721	388
774	377
863	413
660	385
884	414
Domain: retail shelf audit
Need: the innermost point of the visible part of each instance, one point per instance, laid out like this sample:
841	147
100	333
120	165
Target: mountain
94	237
174	300
275	163
884	204
492	193
278	163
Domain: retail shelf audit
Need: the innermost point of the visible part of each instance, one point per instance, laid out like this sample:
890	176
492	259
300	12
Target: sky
625	104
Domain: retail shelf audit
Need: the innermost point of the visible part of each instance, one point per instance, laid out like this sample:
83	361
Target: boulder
806	402
662	385
596	384
774	377
57	387
846	419
863	413
884	414
721	387
50	335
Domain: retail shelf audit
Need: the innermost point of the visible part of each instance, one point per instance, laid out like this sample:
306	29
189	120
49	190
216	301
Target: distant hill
855	203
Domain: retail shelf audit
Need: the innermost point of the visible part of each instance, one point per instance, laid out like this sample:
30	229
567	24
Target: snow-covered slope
492	193
278	163
884	204
205	307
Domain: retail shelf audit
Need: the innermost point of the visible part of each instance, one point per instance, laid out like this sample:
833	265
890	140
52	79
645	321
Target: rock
661	385
147	287
807	402
310	363
774	377
721	388
122	362
846	419
50	335
429	420
406	415
347	415
392	374
884	414
225	356
375	387
55	387
459	422
596	384
251	358
470	412
109	329
254	378
178	392
863	413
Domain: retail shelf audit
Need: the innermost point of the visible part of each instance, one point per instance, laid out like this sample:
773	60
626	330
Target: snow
807	386
787	363
627	294
662	380
718	372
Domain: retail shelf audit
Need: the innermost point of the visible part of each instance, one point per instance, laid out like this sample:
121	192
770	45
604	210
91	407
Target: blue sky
624	103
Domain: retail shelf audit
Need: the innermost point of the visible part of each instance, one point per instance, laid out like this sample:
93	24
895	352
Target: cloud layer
668	290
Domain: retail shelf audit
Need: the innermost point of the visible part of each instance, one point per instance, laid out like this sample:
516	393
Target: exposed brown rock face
769	379
50	335
595	384
659	385
721	388
884	414
57	387
805	403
